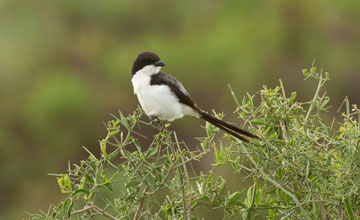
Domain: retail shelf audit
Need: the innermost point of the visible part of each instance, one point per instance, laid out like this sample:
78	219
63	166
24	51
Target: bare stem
187	210
315	97
99	210
103	213
137	213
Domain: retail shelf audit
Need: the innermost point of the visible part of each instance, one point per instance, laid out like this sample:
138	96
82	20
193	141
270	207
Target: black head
144	59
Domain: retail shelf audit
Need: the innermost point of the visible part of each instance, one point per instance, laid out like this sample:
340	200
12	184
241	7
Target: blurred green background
65	67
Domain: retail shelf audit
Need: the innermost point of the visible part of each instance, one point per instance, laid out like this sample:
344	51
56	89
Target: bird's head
148	61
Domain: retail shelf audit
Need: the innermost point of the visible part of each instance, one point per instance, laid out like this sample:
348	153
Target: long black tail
231	129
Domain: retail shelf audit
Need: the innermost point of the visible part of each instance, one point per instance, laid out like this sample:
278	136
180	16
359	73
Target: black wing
176	87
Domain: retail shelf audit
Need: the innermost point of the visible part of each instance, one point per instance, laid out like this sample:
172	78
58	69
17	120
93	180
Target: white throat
142	77
148	70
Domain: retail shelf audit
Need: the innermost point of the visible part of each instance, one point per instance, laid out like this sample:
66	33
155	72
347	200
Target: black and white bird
164	98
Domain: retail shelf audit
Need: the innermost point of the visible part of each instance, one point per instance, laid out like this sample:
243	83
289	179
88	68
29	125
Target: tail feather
231	129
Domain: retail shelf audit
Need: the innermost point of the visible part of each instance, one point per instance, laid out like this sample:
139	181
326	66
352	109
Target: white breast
157	100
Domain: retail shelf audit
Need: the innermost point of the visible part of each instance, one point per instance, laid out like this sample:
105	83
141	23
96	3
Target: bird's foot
153	120
161	125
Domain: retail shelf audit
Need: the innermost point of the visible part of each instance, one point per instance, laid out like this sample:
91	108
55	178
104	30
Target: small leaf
103	148
249	194
271	215
112	133
273	136
108	186
152	151
137	144
323	104
222	186
231	201
258	121
68	212
124	121
89	179
292	96
250	101
204	200
65	184
315	210
132	184
91	156
79	192
90	165
204	144
209	129
348	207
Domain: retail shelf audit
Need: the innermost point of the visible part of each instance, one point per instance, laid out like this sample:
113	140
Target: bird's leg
161	125
154	119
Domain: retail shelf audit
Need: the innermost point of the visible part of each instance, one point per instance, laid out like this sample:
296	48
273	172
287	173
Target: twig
283	90
103	213
315	97
234	96
181	182
188	212
250	209
81	210
93	206
283	129
137	213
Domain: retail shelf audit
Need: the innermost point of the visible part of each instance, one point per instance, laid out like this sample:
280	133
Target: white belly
159	101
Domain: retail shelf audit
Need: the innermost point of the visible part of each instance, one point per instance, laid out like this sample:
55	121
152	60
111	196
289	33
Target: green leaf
249	194
348	208
204	200
91	165
137	144
258	121
89	179
79	192
112	133
65	184
108	186
132	184
68	212
91	156
292	96
222	186
152	151
273	136
103	148
250	101
209	129
232	199
271	215
204	144
325	102
315	210
124	121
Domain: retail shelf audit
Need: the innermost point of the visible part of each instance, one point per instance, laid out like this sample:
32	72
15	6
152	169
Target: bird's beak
159	63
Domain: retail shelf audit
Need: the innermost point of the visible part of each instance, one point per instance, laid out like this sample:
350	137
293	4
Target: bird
164	98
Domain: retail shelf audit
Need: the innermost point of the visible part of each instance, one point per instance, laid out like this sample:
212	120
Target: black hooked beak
159	63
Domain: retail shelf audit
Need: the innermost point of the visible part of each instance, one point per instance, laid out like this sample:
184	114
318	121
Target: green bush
301	167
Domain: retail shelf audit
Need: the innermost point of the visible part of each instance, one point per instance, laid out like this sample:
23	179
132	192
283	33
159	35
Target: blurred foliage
65	65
